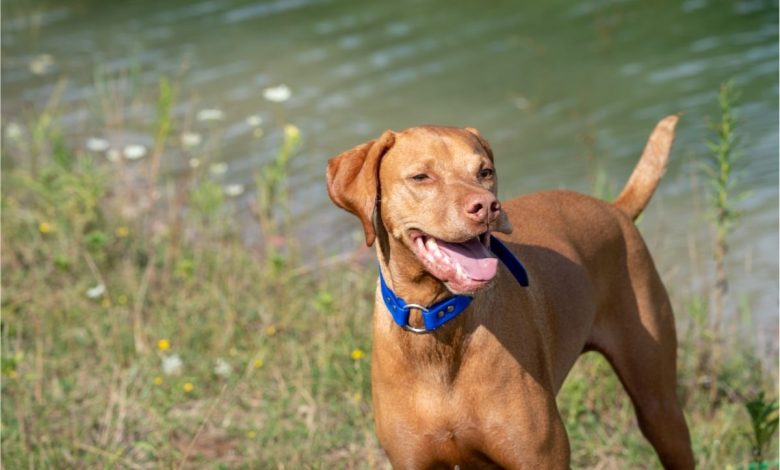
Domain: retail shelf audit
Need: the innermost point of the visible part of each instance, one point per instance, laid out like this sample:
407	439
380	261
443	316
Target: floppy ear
353	180
503	225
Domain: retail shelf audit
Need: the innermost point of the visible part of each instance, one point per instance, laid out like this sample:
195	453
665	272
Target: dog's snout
482	208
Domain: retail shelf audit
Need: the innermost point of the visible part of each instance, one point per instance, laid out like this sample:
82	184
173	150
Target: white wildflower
41	64
172	365
254	120
96	144
13	131
194	163
222	368
191	139
96	291
210	115
219	168
234	190
134	151
277	94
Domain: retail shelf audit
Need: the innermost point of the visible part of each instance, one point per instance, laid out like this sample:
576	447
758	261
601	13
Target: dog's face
436	191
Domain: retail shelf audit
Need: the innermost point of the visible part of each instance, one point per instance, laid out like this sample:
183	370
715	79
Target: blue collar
441	312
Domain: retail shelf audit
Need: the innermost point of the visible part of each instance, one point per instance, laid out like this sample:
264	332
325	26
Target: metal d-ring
411	328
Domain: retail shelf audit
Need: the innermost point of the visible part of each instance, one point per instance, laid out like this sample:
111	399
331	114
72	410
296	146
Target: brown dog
479	391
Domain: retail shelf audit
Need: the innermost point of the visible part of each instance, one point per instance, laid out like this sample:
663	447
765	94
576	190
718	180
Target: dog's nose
482	208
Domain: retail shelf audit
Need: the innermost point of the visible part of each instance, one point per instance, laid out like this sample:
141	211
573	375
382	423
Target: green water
560	88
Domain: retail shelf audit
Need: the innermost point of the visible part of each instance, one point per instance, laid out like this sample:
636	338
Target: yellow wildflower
188	387
357	354
158	380
251	434
258	363
45	227
164	344
270	330
291	132
233	352
121	299
122	232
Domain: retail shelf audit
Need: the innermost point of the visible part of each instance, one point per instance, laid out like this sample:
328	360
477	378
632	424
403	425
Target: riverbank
141	329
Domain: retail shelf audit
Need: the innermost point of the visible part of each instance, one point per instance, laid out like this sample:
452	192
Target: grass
107	287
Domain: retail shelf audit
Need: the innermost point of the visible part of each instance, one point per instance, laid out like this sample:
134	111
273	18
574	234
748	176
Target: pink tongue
477	261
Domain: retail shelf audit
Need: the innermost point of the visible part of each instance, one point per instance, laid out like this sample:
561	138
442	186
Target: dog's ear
484	143
353	180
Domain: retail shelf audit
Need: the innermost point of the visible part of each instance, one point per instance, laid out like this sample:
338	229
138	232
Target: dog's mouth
464	267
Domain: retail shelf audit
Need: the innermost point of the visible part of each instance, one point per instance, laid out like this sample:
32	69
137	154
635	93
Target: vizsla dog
469	352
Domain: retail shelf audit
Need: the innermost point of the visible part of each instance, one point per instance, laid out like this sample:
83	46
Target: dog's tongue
477	261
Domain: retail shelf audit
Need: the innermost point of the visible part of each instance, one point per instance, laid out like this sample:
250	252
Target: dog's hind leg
639	341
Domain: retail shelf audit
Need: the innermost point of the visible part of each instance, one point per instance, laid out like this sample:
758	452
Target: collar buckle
406	326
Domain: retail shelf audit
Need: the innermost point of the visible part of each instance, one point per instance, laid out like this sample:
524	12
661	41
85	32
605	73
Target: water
559	88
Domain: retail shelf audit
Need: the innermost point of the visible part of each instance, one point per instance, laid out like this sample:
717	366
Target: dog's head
434	191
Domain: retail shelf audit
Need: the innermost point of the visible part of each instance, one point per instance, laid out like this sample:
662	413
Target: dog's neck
442	349
436	355
403	272
407	278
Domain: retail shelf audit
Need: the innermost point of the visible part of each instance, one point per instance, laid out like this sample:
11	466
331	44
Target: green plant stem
721	174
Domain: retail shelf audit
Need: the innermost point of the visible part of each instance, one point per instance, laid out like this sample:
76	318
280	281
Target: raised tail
648	172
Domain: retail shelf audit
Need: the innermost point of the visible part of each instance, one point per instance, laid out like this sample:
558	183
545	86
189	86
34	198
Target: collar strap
440	313
433	317
510	261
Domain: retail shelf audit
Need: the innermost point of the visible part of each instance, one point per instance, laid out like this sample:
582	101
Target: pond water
563	90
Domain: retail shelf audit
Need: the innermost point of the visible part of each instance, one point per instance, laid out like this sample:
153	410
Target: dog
477	389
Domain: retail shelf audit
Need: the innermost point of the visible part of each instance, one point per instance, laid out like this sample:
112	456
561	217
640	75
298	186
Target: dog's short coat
479	392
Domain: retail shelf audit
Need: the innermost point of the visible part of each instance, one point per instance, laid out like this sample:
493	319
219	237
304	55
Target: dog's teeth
459	271
420	243
433	248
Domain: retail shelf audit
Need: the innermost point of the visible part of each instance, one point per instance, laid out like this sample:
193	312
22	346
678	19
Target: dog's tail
648	172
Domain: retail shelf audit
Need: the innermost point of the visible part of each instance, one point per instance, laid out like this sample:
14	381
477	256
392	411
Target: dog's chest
445	419
442	429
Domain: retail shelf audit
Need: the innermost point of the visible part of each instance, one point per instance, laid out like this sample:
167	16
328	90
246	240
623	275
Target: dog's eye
486	173
420	177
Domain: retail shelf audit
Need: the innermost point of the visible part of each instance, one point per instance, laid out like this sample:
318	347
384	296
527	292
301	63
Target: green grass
83	384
